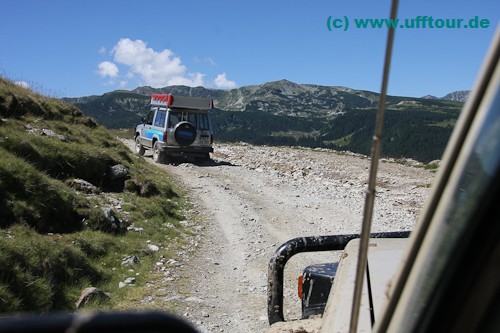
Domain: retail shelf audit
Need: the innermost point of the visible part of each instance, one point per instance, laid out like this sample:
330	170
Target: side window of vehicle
174	119
191	117
203	121
149	118
160	118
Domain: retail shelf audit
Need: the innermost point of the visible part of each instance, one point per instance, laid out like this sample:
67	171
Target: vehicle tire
158	155
139	148
184	133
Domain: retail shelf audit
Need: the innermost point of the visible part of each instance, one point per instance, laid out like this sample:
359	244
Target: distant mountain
292	99
286	113
457	96
125	108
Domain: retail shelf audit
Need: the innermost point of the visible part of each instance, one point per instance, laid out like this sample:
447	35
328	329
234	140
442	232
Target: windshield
481	166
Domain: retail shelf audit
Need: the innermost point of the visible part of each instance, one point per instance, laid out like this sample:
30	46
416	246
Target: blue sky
79	48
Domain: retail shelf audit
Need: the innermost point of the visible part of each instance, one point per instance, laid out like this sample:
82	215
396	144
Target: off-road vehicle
176	126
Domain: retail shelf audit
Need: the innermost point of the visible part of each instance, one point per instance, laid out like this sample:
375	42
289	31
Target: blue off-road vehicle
176	126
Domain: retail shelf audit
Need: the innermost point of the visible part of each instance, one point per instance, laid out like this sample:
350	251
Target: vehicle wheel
184	133
157	153
139	148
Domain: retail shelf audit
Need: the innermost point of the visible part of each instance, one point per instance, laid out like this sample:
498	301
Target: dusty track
251	200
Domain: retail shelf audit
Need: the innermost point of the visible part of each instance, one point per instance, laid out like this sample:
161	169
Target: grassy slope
54	240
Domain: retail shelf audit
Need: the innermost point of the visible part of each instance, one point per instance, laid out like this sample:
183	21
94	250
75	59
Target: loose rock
91	294
130	261
118	171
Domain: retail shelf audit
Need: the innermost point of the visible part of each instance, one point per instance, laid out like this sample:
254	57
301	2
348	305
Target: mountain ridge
275	96
287	113
456	96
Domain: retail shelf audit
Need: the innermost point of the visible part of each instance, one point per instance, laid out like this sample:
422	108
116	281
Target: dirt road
251	200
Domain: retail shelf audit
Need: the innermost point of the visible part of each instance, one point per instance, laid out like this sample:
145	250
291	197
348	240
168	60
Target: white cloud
206	61
222	82
193	80
23	84
156	68
107	68
210	61
102	50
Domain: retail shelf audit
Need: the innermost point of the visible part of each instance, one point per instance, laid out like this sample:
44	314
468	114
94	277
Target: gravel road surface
251	199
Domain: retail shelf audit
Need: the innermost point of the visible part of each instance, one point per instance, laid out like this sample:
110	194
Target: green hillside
66	220
420	134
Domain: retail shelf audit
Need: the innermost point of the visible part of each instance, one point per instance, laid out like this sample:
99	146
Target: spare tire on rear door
184	133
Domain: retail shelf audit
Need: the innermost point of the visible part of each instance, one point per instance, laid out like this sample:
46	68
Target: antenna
370	192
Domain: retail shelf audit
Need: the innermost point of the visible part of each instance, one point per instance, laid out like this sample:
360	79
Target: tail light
300	285
165	136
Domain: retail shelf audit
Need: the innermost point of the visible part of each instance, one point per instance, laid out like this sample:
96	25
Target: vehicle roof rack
186	102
